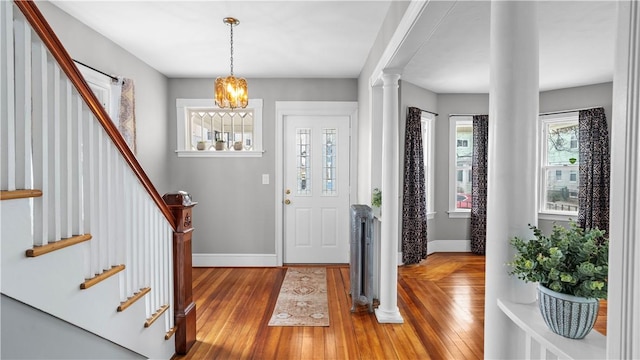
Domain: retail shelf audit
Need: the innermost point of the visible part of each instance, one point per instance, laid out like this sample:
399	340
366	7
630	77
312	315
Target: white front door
316	189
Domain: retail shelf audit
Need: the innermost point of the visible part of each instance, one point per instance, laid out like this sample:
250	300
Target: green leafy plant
376	198
570	261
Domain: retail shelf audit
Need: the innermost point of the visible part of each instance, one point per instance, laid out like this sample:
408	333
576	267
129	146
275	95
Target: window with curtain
460	159
559	180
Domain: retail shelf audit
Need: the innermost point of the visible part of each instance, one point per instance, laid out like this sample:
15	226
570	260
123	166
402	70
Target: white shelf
529	319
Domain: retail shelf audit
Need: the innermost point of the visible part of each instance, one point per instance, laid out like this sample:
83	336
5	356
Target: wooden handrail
51	41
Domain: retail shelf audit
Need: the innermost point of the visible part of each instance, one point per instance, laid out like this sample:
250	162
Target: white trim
556	217
388	317
427	125
459	214
411	15
436	246
226	153
288	108
233	260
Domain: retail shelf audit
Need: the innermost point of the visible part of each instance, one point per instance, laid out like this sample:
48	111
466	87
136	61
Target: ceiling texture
332	39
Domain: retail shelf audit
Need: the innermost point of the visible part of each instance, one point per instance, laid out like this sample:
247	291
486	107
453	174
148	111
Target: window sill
459	214
557	217
222	153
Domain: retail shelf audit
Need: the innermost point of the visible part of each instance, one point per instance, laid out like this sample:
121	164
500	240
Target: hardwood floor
441	301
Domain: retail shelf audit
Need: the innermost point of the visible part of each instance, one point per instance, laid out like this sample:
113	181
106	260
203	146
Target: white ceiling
311	39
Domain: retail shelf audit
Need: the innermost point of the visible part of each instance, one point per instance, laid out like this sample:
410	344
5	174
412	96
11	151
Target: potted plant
570	267
219	144
376	201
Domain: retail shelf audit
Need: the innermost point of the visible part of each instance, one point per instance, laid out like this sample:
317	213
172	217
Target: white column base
389	317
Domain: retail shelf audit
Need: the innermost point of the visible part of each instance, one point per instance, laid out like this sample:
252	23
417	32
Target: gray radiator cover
361	262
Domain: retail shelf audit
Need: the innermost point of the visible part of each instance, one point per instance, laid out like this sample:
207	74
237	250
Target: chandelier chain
231	25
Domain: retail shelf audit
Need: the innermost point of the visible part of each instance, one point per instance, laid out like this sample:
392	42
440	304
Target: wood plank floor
441	301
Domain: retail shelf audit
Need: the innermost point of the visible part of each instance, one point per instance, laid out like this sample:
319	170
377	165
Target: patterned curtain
127	114
479	184
414	205
593	192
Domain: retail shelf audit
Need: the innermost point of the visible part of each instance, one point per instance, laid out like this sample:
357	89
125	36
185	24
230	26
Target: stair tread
19	194
101	277
60	244
132	299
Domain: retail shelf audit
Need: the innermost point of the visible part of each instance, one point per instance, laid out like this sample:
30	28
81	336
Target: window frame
545	121
183	106
454	121
427	123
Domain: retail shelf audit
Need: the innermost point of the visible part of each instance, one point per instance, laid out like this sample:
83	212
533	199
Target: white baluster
139	240
54	154
22	51
128	230
40	142
108	200
66	164
91	201
102	197
115	214
78	159
7	101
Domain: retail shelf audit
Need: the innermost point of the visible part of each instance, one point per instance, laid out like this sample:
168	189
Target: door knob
287	191
287	201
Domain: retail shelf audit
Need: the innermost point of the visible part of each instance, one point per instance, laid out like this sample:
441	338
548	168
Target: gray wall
235	212
28	333
91	48
444	228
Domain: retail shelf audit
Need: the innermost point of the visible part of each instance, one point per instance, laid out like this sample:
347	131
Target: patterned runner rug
303	299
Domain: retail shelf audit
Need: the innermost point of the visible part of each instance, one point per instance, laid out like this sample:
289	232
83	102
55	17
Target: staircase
84	234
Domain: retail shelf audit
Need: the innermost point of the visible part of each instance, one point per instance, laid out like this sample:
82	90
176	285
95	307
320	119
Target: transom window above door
205	130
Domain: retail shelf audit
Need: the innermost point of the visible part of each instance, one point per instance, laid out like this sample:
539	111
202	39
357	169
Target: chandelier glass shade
231	92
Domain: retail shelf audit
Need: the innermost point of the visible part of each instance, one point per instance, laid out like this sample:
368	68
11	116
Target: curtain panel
414	205
479	184
594	170
127	113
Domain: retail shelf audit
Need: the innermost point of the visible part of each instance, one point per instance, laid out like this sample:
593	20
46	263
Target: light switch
265	179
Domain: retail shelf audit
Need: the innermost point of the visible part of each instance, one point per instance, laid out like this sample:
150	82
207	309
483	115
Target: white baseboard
234	260
435	246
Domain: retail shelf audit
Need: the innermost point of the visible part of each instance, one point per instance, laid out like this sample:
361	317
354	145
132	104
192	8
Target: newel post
181	205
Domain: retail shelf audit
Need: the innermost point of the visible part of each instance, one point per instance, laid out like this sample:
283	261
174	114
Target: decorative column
512	174
181	205
387	311
623	325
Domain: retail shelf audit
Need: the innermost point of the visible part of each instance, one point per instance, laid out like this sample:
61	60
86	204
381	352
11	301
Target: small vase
201	145
237	145
567	315
219	145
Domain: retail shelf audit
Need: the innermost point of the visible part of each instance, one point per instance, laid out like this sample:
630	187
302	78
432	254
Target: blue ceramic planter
570	316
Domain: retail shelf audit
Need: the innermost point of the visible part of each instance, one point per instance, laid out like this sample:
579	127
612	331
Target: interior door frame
311	108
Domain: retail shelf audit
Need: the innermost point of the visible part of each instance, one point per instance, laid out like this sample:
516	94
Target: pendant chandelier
231	92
